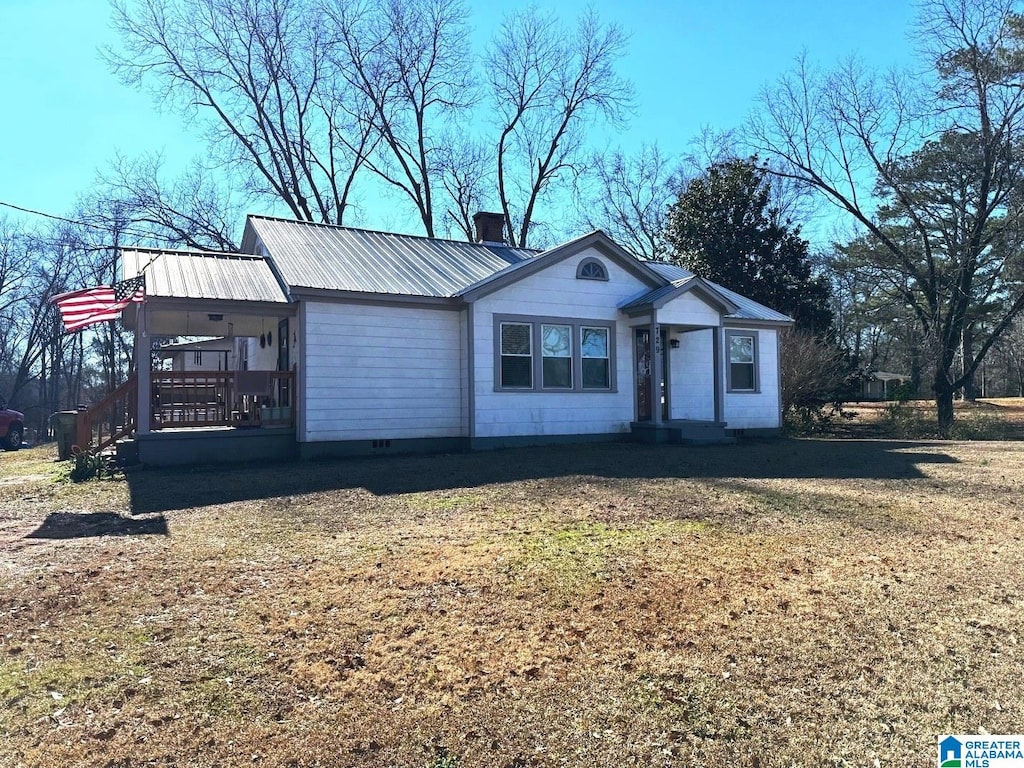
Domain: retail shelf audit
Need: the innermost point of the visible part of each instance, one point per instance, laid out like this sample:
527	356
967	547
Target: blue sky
694	63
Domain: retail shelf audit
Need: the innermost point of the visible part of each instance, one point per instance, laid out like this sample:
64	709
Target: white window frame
502	354
537	357
607	358
755	363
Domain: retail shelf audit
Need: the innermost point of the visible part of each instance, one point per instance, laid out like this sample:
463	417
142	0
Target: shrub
85	466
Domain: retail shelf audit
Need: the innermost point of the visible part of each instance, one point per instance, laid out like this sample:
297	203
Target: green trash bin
65	429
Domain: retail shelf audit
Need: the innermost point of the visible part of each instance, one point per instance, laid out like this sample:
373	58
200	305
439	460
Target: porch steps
682	432
127	452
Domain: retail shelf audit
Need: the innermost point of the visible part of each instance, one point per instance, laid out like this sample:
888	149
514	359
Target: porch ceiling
207	318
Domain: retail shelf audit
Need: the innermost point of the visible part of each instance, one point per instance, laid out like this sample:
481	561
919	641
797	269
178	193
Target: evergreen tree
724	227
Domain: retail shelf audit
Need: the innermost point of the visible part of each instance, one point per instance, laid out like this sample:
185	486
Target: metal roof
327	257
204	275
333	258
748	309
652	296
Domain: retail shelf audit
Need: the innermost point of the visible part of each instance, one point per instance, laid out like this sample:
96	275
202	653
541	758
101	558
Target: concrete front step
682	432
127	452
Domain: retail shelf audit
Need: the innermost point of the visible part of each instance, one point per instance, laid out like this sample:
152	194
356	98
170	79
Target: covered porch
233	399
677	337
254	385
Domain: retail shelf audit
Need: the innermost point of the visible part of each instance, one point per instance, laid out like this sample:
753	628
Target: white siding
382	372
556	292
688	309
692	376
263	358
757	410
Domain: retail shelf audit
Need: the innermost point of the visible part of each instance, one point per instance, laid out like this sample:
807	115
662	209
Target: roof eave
699	285
692	284
369	297
248	244
745	322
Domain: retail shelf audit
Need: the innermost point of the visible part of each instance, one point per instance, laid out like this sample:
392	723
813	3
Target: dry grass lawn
985	419
802	602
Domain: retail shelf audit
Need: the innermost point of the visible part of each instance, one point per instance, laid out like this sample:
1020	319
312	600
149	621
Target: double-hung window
595	357
556	351
742	349
517	355
554	354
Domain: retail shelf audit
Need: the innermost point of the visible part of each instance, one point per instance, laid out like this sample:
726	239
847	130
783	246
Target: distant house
881	385
215	354
359	341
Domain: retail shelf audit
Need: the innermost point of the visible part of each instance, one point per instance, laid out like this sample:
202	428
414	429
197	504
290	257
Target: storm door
645	392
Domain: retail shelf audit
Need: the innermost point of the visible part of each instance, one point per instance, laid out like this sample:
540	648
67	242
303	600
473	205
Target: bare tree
629	198
548	84
190	211
814	375
263	77
411	63
466	172
928	165
34	353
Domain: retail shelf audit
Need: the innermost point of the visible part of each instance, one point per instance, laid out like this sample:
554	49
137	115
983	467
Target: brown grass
806	602
997	418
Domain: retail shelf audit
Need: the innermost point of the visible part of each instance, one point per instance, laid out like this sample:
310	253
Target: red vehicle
12	427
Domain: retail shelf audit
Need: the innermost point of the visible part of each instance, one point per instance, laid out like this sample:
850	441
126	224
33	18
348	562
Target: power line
54	216
76	222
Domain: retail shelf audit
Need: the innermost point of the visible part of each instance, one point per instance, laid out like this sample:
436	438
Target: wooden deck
222	399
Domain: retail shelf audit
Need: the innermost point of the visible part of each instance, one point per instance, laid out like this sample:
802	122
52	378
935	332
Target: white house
216	354
386	342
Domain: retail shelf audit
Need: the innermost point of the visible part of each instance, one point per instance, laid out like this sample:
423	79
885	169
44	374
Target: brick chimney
490	227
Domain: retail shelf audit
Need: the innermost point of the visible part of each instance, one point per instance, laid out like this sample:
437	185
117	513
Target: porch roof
658	297
746	309
204	275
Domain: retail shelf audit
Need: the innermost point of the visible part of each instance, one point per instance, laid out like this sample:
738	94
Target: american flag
95	305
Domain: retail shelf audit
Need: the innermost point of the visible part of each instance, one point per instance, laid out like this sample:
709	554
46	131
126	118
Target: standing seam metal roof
748	308
322	256
204	275
653	295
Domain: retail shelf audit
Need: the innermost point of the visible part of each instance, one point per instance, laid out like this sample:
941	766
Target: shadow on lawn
157	490
79	525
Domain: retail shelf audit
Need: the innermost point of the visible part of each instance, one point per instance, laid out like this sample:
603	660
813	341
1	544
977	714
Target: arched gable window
591	269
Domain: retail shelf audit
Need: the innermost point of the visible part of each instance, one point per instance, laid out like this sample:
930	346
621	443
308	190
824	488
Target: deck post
657	372
143	365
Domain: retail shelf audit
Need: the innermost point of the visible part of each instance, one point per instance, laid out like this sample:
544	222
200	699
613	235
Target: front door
645	391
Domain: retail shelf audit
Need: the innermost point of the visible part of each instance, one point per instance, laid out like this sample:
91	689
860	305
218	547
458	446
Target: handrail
112	418
187	399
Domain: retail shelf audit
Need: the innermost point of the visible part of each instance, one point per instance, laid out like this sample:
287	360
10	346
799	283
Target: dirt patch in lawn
804	602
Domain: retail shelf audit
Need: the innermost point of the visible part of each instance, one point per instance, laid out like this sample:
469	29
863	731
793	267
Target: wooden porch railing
109	420
182	399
